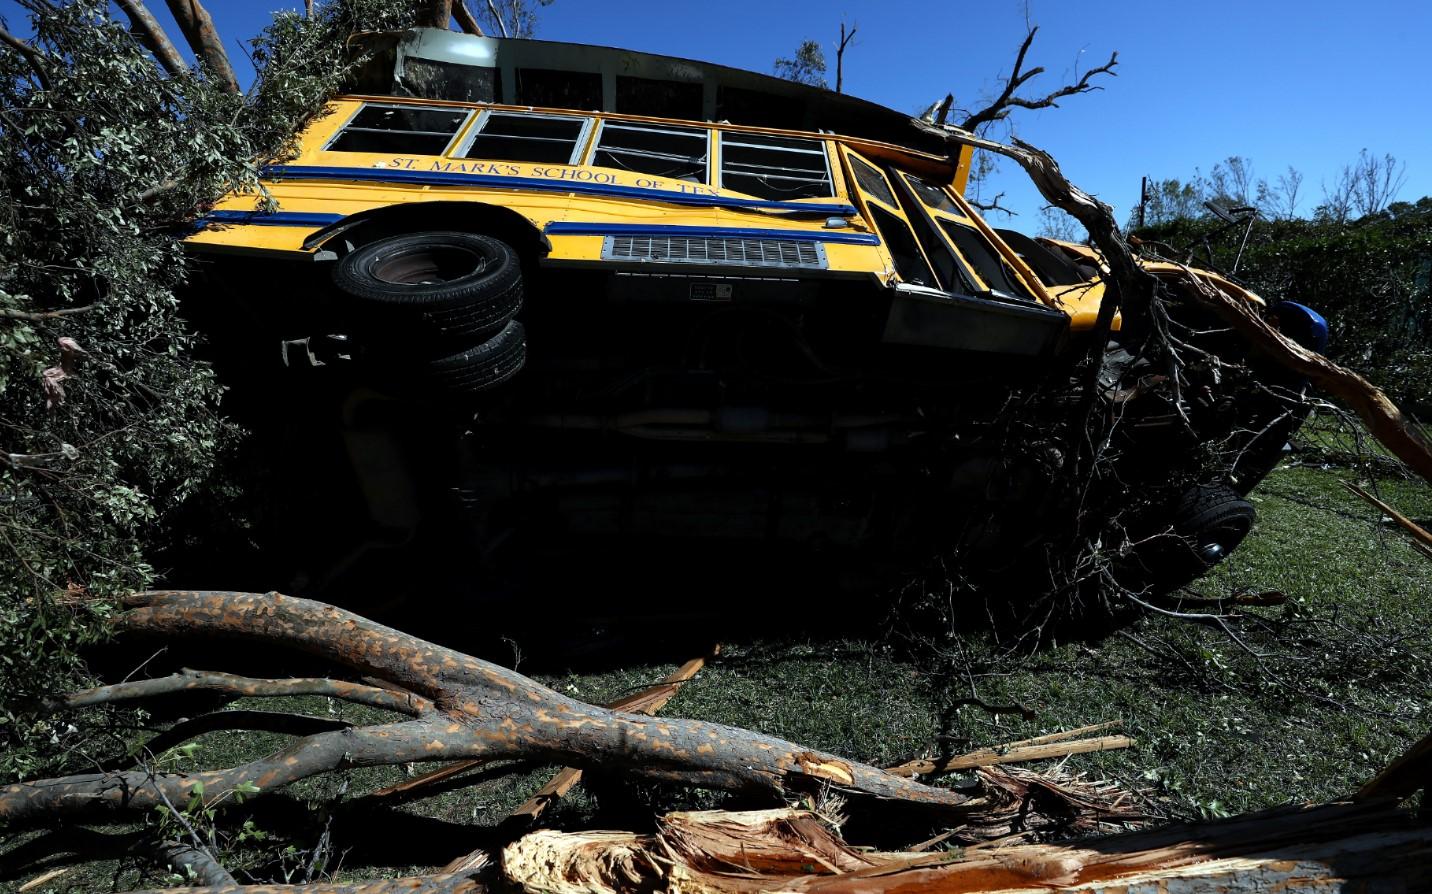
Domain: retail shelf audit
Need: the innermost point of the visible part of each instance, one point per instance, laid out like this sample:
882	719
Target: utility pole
1143	198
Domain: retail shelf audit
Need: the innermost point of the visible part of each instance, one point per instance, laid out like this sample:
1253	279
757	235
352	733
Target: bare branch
497	17
198	28
37	316
211	681
194	862
152	35
991	205
1009	99
465	19
234	719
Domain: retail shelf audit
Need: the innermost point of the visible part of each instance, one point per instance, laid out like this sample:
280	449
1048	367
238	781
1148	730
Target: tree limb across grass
464	708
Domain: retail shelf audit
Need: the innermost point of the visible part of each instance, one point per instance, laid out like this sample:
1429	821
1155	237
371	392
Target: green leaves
139	437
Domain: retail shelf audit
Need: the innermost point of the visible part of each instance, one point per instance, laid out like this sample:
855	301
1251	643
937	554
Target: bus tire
439	287
479	368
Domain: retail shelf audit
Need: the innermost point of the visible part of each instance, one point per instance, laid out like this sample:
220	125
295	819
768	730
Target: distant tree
846	38
1337	198
1170	200
1375	182
1055	223
807	66
1367	186
510	18
1279	200
1230	183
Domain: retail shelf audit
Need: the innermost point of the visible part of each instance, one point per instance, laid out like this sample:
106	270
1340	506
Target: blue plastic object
1302	324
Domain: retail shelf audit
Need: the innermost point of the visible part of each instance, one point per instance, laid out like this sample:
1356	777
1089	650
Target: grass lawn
1305	702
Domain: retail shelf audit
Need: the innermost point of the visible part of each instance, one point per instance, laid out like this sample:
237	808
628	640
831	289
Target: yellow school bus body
318	190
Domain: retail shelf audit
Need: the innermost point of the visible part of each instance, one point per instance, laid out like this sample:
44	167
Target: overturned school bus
515	300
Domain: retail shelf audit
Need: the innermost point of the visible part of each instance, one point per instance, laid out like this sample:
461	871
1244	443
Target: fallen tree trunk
462	708
1312	849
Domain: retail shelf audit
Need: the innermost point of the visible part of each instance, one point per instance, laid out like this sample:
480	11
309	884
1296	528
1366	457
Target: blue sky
1280	82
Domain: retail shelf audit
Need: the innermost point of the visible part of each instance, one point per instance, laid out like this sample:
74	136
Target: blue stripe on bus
272	218
574	228
452	178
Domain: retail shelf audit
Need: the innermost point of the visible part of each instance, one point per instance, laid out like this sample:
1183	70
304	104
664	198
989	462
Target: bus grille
786	254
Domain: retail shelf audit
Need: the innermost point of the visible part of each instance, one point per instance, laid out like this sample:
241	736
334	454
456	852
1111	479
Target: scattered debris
1040	748
1421	536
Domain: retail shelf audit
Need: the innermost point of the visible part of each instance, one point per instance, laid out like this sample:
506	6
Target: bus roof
432	63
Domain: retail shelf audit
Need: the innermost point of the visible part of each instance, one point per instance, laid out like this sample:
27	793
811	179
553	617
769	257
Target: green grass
1335	690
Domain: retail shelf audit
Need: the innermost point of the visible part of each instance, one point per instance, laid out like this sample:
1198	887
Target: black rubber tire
439	288
1185	541
478	368
1212	519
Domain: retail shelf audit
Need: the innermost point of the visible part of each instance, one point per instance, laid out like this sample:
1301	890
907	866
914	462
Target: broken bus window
513	136
680	153
410	129
775	167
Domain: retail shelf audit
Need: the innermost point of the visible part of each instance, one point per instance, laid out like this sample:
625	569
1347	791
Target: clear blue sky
1280	82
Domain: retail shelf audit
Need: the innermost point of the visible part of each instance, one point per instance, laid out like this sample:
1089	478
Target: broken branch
1420	534
482	711
988	757
192	681
1392	428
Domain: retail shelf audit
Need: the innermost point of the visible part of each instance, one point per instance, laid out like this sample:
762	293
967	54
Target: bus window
514	136
775	167
989	265
872	182
681	153
889	220
932	195
975	250
415	130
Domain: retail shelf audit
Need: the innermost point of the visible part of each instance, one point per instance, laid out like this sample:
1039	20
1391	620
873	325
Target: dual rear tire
436	310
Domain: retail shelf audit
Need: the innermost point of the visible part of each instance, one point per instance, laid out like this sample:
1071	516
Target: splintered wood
1290	850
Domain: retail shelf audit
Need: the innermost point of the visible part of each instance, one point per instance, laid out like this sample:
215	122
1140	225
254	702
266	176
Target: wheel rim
1216	543
429	265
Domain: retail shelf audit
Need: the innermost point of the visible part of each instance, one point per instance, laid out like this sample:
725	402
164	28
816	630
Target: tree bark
197	864
458	883
469	709
435	14
198	29
1300	849
465	19
152	35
